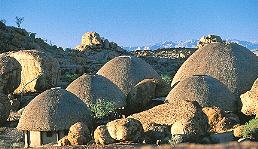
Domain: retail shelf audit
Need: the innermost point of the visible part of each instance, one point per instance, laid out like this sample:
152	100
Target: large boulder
125	129
141	95
39	72
127	71
91	88
170	113
232	64
250	100
10	74
207	91
219	120
79	134
102	136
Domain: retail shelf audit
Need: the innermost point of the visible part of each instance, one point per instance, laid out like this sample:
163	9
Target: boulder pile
92	40
119	130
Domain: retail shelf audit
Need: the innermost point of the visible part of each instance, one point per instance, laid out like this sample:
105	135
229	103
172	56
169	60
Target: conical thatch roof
127	71
230	63
207	91
52	110
91	88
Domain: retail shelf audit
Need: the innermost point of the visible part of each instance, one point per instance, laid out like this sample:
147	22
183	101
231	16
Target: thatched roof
207	91
10	73
230	63
127	71
52	110
91	88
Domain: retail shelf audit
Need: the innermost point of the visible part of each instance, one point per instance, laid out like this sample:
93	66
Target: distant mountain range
188	44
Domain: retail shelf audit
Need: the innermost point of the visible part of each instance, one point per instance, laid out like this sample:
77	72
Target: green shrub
250	129
166	78
102	108
72	76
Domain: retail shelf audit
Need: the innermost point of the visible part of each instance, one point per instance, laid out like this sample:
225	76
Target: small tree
18	21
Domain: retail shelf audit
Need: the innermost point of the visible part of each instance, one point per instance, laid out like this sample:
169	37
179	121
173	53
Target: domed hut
91	88
48	117
127	71
232	64
207	91
10	74
39	72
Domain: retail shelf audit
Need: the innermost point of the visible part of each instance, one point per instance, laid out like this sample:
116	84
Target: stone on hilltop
93	41
208	39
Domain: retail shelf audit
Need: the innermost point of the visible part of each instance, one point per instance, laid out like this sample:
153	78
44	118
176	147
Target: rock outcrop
91	88
92	40
15	39
208	39
40	71
127	71
207	91
232	64
10	74
250	100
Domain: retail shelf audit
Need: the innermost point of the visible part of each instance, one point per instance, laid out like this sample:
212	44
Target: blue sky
134	22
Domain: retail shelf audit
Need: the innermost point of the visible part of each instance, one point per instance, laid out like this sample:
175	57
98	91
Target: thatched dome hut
91	88
40	71
10	74
48	117
232	64
207	91
127	71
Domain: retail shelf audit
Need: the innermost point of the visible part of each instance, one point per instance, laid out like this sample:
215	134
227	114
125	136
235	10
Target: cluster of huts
212	77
